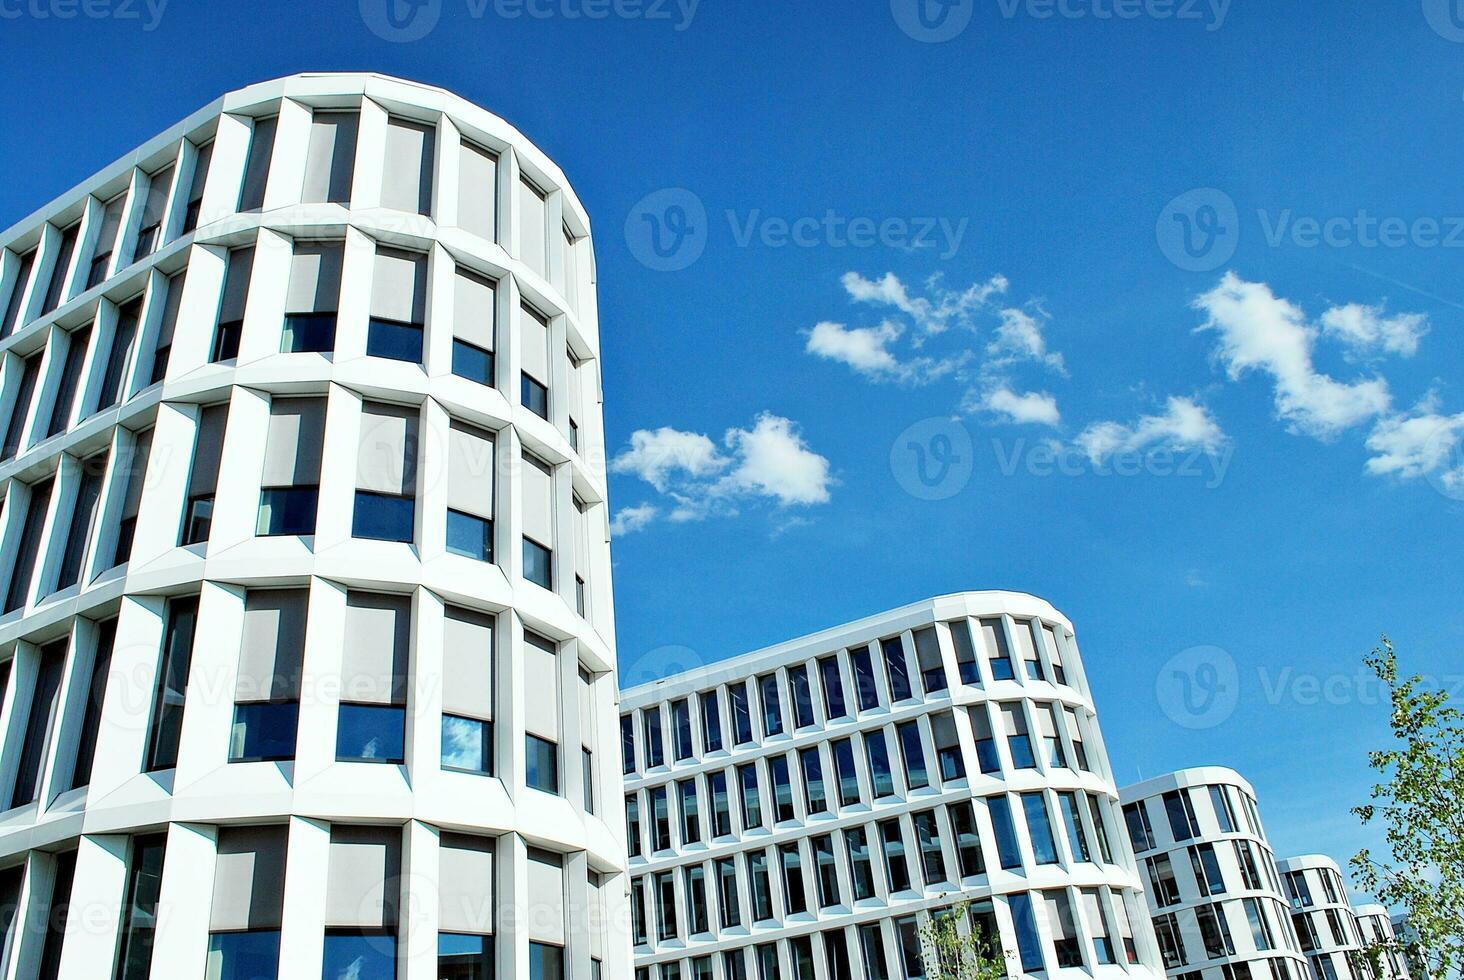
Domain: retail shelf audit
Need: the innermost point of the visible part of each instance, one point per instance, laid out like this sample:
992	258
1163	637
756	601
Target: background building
307	631
1323	917
1213	884
795	813
1375	929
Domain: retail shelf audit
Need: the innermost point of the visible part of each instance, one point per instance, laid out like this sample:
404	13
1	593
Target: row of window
1217	868
1299	890
108	236
362	897
100	512
1264	968
834	776
1207	932
39	409
373	687
1088	927
845	690
932	850
1178	806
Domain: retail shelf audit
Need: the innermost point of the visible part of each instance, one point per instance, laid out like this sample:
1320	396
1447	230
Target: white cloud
934	313
657	456
865	349
769	462
773	460
1036	408
1019	338
1365	329
628	520
1424	443
1259	331
1185	425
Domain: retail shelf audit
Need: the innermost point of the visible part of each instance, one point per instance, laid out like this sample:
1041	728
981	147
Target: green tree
1419	802
951	955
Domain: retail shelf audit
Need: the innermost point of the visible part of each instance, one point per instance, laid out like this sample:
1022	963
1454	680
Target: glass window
633	824
711	720
741	714
848	775
655	743
794	896
243	956
172	683
811	762
772	707
912	750
1181	811
965	651
782	789
861	873
1029	947
932	663
23	571
20	405
968	839
880	774
1224	814
1039	827
1206	866
464	957
826	871
993	635
690	815
541	761
1100	828
1006	832
660	819
897	669
864	683
140	911
359	955
41	723
627	744
57	917
721	809
371	733
1072	818
83	521
727	893
681	720
1163	886
1141	832
802	696
1065	943
760	887
1215	931
832	681
398	305
932	860
896	869
64	402
91	721
696	899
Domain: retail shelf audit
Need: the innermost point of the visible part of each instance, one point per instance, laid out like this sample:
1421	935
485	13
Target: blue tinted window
537	564
244	956
287	510
469	536
461	957
545	962
473	363
263	731
308	332
1039	827
395	341
1027	943
542	762
466	743
370	733
1006	832
357	956
864	679
380	517
535	397
899	671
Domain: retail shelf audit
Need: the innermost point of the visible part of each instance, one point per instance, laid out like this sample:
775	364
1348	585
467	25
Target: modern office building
1323	917
1415	957
307	636
796	813
1213	884
1382	950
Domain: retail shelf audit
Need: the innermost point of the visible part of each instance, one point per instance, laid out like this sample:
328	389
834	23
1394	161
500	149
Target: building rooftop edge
1036	605
1192	776
224	102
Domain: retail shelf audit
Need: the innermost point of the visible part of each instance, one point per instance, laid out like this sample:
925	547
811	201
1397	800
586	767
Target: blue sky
1273	491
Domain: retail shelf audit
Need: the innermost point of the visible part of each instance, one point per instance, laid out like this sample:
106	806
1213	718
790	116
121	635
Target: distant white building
307	640
796	813
1375	928
1323	917
1213	885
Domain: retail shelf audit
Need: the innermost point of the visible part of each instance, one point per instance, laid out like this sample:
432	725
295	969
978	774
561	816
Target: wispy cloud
916	343
1184	425
1368	329
769	462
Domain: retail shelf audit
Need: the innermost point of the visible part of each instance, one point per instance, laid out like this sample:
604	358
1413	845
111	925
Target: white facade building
1213	883
795	813
1323	917
1375	929
307	636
